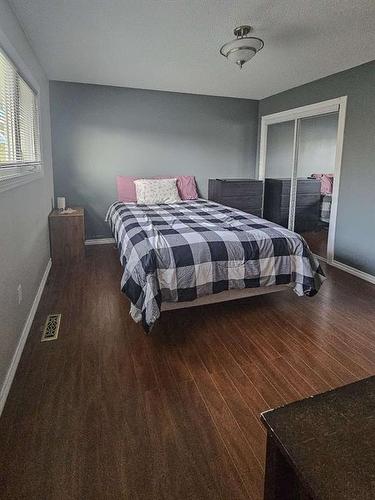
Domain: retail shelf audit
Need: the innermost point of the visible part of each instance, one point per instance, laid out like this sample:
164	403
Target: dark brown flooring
317	241
106	412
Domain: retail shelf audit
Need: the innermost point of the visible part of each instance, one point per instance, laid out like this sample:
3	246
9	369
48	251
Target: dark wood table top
329	440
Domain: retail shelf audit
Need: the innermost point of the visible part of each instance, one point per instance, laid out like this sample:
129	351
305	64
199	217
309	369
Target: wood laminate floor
317	241
106	412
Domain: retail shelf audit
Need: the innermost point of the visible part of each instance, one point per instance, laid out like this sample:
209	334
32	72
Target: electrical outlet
19	293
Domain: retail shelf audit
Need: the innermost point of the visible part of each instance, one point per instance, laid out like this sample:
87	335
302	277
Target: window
19	124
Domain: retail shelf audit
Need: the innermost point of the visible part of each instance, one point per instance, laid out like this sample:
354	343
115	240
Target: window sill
13	181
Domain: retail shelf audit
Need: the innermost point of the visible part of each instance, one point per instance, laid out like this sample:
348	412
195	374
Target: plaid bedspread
187	250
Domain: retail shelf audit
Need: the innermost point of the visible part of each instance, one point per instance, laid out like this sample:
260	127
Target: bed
195	252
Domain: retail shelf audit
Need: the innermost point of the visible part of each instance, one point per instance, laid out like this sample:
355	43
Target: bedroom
107	98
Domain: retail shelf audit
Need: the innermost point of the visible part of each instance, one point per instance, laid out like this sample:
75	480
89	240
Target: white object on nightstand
61	203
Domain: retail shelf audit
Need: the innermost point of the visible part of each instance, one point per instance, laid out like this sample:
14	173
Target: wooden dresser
67	236
244	194
277	198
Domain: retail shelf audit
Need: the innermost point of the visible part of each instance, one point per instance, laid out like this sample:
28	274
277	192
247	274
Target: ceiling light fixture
243	48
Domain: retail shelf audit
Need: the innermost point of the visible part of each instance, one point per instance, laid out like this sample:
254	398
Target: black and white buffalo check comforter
179	252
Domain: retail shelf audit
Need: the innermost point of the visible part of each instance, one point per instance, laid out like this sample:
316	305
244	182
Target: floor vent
51	327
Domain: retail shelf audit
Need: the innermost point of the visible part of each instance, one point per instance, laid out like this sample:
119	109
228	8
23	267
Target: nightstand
67	236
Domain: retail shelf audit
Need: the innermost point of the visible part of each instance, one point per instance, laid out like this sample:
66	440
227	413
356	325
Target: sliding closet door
315	164
278	172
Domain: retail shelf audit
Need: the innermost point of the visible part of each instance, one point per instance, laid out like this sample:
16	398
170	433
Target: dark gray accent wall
355	230
99	132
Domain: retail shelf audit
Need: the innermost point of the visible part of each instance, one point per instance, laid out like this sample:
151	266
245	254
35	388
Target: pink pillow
126	188
126	192
187	189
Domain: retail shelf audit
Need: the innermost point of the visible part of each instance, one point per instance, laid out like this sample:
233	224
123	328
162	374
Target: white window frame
17	176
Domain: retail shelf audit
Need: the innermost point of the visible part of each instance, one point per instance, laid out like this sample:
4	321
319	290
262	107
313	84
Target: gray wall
280	142
99	132
24	246
317	145
355	230
316	152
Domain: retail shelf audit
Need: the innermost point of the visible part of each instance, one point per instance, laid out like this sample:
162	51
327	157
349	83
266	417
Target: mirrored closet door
316	148
298	165
280	151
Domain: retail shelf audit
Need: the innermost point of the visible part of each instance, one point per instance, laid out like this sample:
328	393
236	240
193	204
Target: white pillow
151	191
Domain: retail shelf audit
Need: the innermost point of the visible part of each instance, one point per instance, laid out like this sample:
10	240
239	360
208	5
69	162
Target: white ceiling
174	44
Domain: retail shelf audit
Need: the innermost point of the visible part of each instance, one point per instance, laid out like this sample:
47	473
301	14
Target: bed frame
224	297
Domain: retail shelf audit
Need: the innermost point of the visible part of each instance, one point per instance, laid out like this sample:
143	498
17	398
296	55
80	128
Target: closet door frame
296	114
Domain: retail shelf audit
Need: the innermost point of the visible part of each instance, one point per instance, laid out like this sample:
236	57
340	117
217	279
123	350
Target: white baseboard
352	270
319	257
21	344
100	241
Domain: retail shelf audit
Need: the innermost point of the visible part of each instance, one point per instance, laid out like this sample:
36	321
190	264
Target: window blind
19	127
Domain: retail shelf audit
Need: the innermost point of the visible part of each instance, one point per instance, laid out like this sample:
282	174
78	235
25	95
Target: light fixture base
242	31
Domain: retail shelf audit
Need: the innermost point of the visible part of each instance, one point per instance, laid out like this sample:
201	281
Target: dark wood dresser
277	198
244	194
322	448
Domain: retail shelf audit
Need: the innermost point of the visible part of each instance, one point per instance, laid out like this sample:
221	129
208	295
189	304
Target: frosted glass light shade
242	49
241	56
